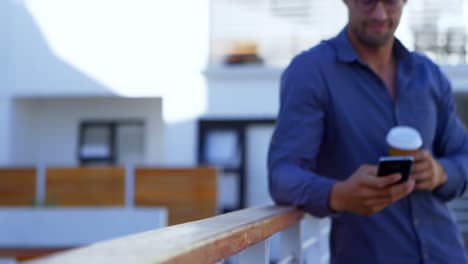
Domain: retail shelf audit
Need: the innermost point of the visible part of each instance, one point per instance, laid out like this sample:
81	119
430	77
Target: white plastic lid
404	138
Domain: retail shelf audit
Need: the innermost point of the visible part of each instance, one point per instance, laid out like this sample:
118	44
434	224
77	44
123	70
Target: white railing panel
316	245
258	253
291	248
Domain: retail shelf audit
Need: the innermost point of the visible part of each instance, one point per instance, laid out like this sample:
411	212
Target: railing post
40	184
258	253
129	185
291	244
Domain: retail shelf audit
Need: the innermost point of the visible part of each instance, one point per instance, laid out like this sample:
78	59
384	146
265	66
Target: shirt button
415	221
426	256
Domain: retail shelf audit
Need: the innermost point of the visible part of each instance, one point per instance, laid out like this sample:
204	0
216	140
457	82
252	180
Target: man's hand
364	193
427	172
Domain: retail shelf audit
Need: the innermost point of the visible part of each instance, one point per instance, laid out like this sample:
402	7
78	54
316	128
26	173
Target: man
338	101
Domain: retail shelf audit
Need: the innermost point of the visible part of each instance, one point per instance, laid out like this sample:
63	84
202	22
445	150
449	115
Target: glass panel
130	144
96	141
222	148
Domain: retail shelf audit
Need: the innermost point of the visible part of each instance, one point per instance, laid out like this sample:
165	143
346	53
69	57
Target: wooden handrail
205	241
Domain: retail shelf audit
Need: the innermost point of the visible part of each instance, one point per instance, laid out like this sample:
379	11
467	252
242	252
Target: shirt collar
346	53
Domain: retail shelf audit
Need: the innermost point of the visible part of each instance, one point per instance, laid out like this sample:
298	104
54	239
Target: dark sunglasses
369	5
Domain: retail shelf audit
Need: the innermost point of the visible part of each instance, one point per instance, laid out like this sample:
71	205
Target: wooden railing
189	194
85	186
242	234
17	186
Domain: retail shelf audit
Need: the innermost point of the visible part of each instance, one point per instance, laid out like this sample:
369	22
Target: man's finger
423	185
401	190
378	202
381	182
421	176
422	155
377	194
369	169
420	166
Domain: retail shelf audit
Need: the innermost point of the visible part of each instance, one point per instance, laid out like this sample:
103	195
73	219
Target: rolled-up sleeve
451	145
296	141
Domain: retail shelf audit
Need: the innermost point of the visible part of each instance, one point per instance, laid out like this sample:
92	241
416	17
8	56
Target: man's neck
379	59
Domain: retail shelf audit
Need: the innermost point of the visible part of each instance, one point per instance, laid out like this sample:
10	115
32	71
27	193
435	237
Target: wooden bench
188	194
17	186
85	186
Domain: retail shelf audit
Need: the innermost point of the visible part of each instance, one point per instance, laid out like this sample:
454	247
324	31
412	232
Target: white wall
254	91
5	131
47	129
3	46
243	92
23	132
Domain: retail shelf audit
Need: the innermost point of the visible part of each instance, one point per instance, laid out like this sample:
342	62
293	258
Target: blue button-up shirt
334	115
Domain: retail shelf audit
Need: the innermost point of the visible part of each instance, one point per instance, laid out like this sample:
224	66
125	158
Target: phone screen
390	165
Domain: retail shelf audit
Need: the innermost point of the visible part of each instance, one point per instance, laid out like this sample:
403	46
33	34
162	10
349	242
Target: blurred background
116	104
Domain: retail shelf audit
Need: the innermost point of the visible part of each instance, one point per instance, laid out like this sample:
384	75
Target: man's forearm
456	178
292	185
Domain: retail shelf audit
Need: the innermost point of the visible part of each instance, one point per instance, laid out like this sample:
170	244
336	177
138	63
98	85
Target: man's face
373	22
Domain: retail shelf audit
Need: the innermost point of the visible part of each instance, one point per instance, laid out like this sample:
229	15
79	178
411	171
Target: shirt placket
417	218
414	213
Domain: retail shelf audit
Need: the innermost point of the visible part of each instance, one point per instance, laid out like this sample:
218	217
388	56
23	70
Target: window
111	142
224	143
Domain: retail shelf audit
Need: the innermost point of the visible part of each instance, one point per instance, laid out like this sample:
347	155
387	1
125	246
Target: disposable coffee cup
403	141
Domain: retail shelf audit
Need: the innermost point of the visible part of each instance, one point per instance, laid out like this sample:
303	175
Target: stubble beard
375	40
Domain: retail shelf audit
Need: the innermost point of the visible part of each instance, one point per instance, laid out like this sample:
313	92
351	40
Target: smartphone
394	164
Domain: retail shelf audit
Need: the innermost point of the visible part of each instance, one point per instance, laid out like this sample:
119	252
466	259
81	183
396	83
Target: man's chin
376	41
